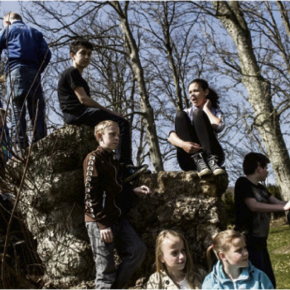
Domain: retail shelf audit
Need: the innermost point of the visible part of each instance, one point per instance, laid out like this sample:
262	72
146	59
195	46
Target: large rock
51	202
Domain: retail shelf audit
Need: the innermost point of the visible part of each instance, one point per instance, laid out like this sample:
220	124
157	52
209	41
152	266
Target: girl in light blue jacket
233	269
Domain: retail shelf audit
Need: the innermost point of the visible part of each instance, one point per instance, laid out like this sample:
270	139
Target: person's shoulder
241	180
217	111
92	155
154	281
69	72
208	281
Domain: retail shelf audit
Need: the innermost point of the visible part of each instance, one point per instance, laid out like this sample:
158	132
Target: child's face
262	172
174	256
110	139
82	58
197	95
237	255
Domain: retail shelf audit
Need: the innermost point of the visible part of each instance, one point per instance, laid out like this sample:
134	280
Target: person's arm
275	200
256	206
89	102
188	147
214	120
2	40
44	53
95	198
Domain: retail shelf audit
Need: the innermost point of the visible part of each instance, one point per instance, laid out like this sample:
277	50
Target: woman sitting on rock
195	131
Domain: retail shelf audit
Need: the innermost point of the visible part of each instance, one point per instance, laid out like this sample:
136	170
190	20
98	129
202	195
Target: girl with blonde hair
174	266
233	269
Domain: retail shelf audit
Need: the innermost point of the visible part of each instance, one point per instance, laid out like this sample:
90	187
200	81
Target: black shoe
213	165
201	166
131	172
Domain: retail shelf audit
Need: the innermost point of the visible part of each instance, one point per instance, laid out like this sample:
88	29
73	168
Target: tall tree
266	116
147	111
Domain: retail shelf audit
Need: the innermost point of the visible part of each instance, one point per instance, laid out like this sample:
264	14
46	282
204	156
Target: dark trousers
260	258
201	132
93	116
130	248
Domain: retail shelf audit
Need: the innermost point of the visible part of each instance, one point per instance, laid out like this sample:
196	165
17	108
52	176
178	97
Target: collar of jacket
106	153
220	275
17	22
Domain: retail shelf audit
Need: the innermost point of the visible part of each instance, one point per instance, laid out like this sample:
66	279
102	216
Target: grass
279	249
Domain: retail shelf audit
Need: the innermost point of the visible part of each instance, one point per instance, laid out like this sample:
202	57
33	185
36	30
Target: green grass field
279	249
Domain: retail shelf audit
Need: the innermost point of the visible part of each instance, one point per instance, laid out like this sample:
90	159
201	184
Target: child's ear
222	256
99	137
161	259
72	56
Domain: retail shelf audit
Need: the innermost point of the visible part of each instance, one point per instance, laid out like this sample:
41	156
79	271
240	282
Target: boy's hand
107	235
142	190
287	206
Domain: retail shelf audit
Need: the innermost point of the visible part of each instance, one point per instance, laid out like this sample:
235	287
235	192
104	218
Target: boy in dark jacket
108	229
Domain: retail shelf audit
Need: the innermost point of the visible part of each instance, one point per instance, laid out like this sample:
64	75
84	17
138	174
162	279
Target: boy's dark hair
253	160
212	95
76	45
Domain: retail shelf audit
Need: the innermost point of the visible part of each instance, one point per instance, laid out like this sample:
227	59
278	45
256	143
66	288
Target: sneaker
133	171
201	166
213	165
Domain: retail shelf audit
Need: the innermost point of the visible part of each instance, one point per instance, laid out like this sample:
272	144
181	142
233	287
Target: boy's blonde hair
222	243
100	128
190	270
12	16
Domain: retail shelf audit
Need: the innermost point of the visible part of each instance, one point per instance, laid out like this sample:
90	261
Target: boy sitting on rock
80	108
107	227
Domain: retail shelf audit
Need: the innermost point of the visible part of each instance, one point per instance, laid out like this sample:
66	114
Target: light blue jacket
250	278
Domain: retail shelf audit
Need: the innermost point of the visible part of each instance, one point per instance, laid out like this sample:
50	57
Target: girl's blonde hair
222	243
190	270
100	128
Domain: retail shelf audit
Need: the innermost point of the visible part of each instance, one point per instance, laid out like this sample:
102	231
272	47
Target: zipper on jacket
119	185
104	199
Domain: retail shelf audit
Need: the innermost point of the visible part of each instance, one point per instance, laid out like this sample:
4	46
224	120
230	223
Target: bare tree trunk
259	90
146	108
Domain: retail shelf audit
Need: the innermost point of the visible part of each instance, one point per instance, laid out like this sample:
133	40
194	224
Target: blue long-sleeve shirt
24	46
250	278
